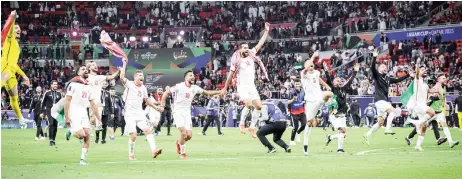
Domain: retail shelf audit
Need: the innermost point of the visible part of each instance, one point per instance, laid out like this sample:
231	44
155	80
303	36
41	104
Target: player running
382	102
314	96
79	98
338	118
184	95
10	57
242	74
96	82
136	93
426	113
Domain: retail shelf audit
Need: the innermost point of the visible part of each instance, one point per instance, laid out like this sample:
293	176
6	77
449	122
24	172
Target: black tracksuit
49	99
36	107
108	110
165	116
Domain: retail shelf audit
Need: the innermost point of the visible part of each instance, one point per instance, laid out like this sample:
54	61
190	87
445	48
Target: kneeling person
274	122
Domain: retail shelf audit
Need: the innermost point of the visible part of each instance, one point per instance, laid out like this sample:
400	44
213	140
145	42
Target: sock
412	134
341	136
244	113
447	134
83	156
332	137
390	118
374	128
151	141
419	141
182	149
14	102
255	117
307	135
131	148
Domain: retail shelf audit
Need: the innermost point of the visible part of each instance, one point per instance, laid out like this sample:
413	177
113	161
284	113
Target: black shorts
112	122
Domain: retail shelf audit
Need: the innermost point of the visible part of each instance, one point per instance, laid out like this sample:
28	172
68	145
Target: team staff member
117	105
458	103
107	112
297	111
165	116
212	114
35	106
49	98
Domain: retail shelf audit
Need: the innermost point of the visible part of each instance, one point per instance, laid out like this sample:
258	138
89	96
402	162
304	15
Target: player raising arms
314	96
338	120
135	94
184	95
10	57
242	74
96	82
382	104
79	98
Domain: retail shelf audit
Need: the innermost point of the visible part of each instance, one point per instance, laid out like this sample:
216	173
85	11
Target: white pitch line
374	151
398	148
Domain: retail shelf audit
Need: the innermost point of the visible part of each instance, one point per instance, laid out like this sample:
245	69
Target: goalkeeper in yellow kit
10	57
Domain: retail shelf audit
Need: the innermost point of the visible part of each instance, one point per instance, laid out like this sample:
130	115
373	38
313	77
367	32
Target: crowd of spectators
219	21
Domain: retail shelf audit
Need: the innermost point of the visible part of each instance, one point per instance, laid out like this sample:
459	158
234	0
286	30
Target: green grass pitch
233	156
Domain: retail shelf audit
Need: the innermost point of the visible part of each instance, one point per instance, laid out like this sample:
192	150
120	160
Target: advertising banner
447	33
164	67
174	32
10	121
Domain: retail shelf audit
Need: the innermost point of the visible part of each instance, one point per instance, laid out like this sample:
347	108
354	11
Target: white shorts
133	120
79	122
312	108
338	122
382	107
247	92
183	119
420	111
440	117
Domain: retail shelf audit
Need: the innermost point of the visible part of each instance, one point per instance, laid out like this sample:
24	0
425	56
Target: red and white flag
113	47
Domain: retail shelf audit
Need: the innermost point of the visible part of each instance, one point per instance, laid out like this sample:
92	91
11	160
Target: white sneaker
297	138
418	148
42	138
292	143
83	163
305	153
36	138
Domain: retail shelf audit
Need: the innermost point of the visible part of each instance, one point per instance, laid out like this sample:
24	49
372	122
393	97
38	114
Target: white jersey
311	86
96	83
81	95
184	96
134	97
245	70
421	92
